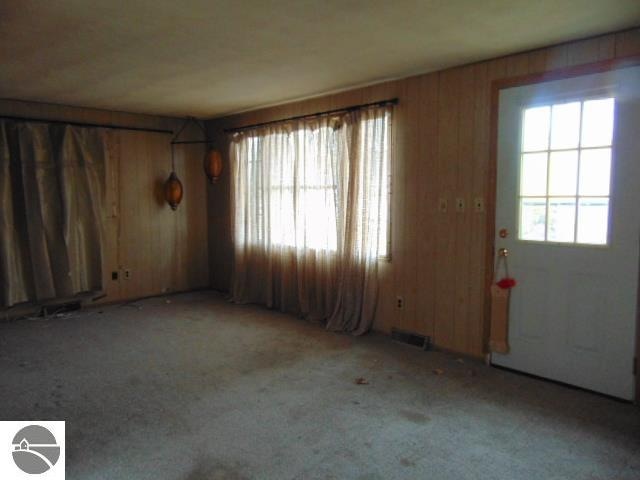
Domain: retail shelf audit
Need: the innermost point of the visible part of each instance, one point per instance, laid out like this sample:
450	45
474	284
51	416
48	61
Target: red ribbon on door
499	335
507	282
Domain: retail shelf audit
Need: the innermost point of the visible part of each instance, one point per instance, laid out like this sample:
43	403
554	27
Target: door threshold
568	385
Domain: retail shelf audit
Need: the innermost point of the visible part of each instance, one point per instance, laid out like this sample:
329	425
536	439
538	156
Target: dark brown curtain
52	181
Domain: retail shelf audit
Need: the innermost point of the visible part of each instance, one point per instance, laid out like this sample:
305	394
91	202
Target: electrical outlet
127	274
442	205
478	204
459	205
399	302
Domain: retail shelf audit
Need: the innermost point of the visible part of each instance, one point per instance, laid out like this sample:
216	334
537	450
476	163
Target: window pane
535	134
532	218
318	209
563	172
593	219
562	218
279	213
595	170
597	123
533	177
565	125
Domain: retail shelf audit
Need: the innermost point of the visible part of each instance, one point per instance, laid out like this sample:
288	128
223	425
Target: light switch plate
459	205
442	205
478	204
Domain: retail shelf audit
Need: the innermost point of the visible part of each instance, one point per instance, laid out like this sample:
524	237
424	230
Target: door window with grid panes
565	170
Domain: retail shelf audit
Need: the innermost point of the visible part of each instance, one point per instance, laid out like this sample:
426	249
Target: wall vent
411	338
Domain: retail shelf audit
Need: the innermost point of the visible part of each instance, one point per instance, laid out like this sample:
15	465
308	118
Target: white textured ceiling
209	58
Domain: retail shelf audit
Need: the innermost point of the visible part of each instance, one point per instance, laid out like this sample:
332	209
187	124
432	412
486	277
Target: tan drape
499	333
310	212
51	186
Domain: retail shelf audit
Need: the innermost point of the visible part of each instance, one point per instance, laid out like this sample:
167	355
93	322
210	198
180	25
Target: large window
315	185
565	170
307	193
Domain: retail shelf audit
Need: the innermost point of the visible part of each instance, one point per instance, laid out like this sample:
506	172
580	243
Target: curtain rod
390	101
82	124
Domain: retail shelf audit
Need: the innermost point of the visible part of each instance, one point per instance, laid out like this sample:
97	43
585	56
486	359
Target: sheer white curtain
310	206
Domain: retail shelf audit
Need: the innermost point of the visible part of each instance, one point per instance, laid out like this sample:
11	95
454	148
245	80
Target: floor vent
411	338
55	309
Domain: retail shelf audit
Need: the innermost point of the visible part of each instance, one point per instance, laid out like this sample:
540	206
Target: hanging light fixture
213	165
173	190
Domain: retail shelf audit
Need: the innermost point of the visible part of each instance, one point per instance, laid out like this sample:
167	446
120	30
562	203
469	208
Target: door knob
503	252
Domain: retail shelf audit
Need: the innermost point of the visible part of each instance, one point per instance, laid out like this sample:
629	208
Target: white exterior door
568	195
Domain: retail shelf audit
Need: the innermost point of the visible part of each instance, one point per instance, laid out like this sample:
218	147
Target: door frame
517	81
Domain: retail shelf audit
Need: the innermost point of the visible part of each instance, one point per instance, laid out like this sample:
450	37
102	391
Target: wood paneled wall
441	151
165	251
